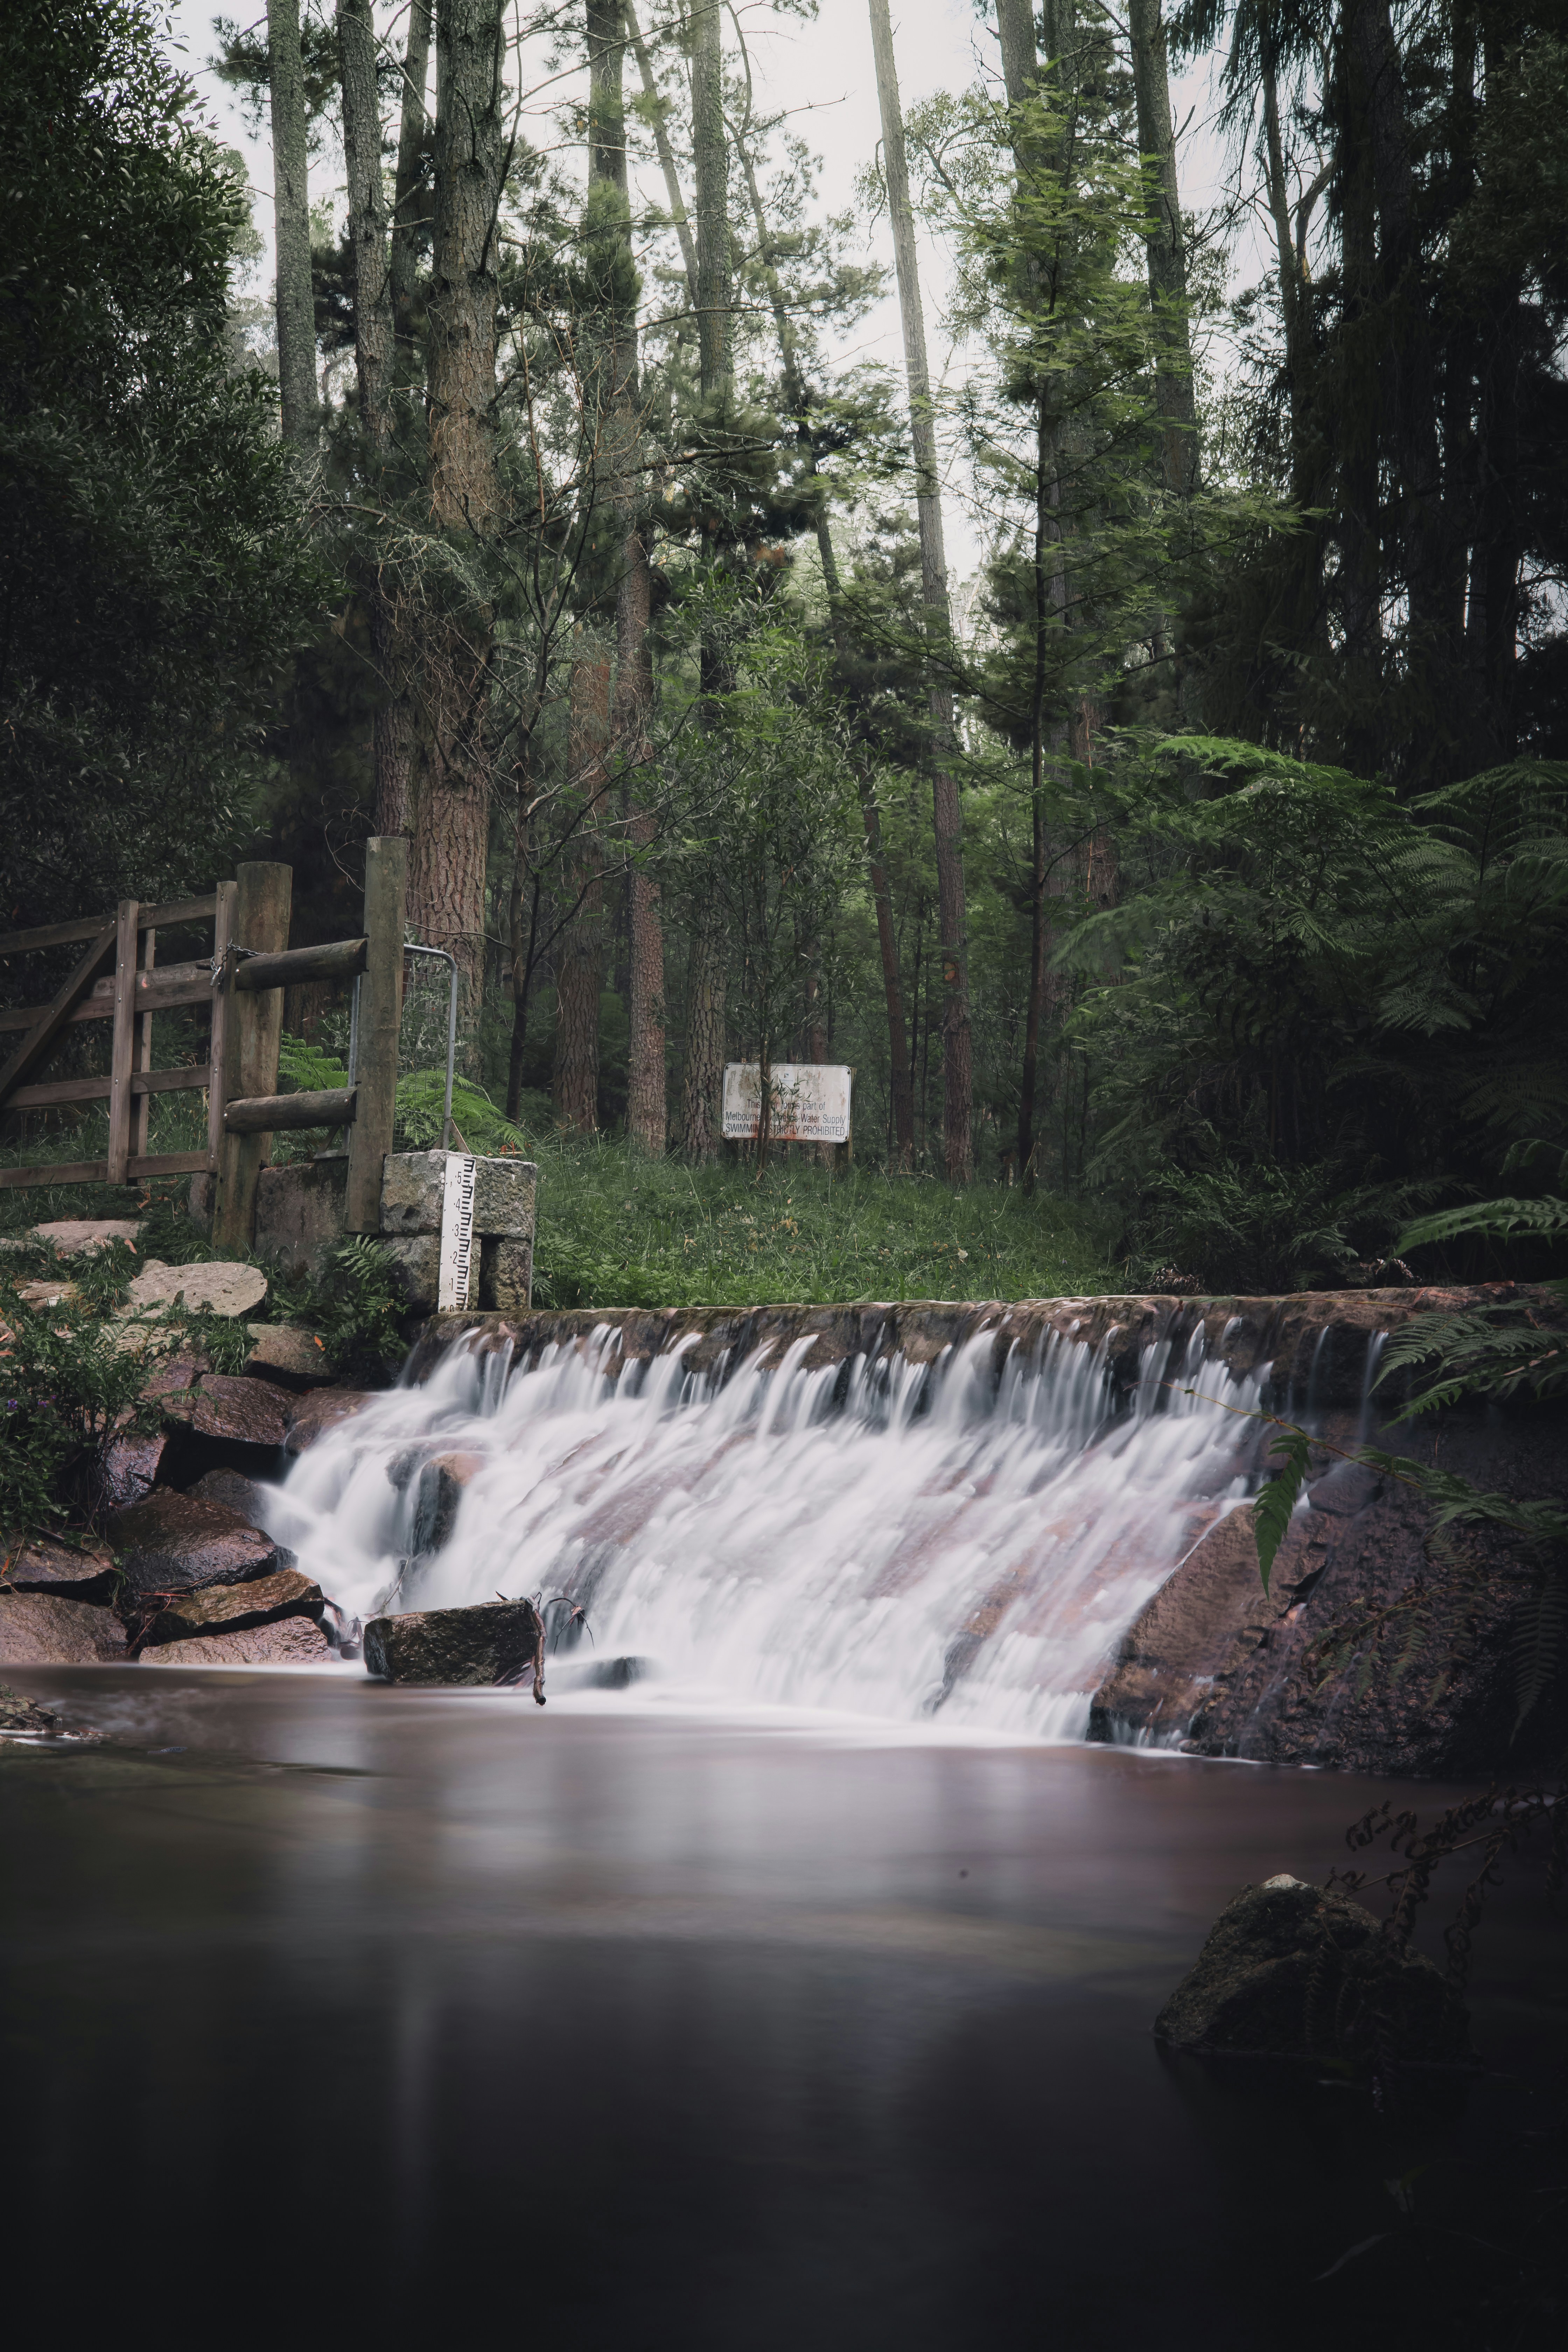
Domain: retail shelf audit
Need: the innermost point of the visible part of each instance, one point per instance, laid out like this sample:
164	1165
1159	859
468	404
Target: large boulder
1291	1970
236	1492
128	1468
45	1629
311	1416
497	1642
233	1608
292	1356
175	1542
85	1236
213	1288
81	1569
285	1642
235	1411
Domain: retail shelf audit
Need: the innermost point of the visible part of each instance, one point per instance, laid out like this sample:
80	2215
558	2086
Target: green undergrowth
618	1229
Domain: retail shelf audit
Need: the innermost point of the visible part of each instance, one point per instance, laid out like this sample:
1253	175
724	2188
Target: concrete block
417	1268
506	1275
503	1199
300	1211
411	1185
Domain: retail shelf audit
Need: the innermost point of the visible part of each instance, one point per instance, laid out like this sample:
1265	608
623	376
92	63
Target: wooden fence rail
118	979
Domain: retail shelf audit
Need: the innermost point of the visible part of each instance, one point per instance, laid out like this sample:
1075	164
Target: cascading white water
878	1537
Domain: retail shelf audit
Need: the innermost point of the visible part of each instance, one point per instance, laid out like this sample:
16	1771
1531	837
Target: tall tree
292	224
666	152
452	798
957	1051
367	220
411	196
579	958
703	1066
1165	245
614	270
797	399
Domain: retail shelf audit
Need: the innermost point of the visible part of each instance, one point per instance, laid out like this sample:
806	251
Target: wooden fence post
380	1019
217	1052
263	894
123	1031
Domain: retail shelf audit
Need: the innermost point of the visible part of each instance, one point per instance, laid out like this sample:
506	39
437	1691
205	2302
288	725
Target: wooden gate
118	979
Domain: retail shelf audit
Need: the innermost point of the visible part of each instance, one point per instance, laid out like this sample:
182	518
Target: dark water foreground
374	2017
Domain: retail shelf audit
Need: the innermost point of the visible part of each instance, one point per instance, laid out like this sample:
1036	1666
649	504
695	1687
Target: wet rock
83	1570
175	1542
312	1415
84	1236
238	1410
20	1713
45	1629
1182	1651
212	1288
438	1494
495	1643
293	1356
287	1642
235	1492
128	1468
1348	1488
342	1630
227	1609
21	1719
1290	1970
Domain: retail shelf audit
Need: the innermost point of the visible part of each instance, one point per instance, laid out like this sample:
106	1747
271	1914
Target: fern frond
1547	1216
1538	1644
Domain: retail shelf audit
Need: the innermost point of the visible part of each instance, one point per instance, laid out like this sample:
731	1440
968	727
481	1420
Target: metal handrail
409	949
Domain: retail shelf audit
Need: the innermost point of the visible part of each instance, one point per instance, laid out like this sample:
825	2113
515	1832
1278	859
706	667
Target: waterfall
971	1535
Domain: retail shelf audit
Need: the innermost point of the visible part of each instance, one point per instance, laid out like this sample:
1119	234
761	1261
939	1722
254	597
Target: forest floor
618	1229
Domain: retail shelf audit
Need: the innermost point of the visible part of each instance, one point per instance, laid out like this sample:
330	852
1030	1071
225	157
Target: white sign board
810	1101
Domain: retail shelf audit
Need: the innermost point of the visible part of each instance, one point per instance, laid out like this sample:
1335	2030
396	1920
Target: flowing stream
877	1536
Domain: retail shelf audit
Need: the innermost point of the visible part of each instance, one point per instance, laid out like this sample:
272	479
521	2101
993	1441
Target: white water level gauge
456	1233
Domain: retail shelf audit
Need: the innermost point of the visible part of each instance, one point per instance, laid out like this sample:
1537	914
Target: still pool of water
340	2013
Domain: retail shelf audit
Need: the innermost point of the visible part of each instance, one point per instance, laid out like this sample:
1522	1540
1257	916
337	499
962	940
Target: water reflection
411	2016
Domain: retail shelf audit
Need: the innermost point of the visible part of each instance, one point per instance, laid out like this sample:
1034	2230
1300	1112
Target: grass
618	1229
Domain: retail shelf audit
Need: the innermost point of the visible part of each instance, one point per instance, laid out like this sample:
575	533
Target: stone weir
1382	1645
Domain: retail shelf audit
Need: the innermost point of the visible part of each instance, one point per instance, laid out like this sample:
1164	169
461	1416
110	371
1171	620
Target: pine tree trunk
367	221
451	810
411	201
374	357
710	168
1166	248
666	153
388	595
611	249
958	1152
702	1072
299	397
580	958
